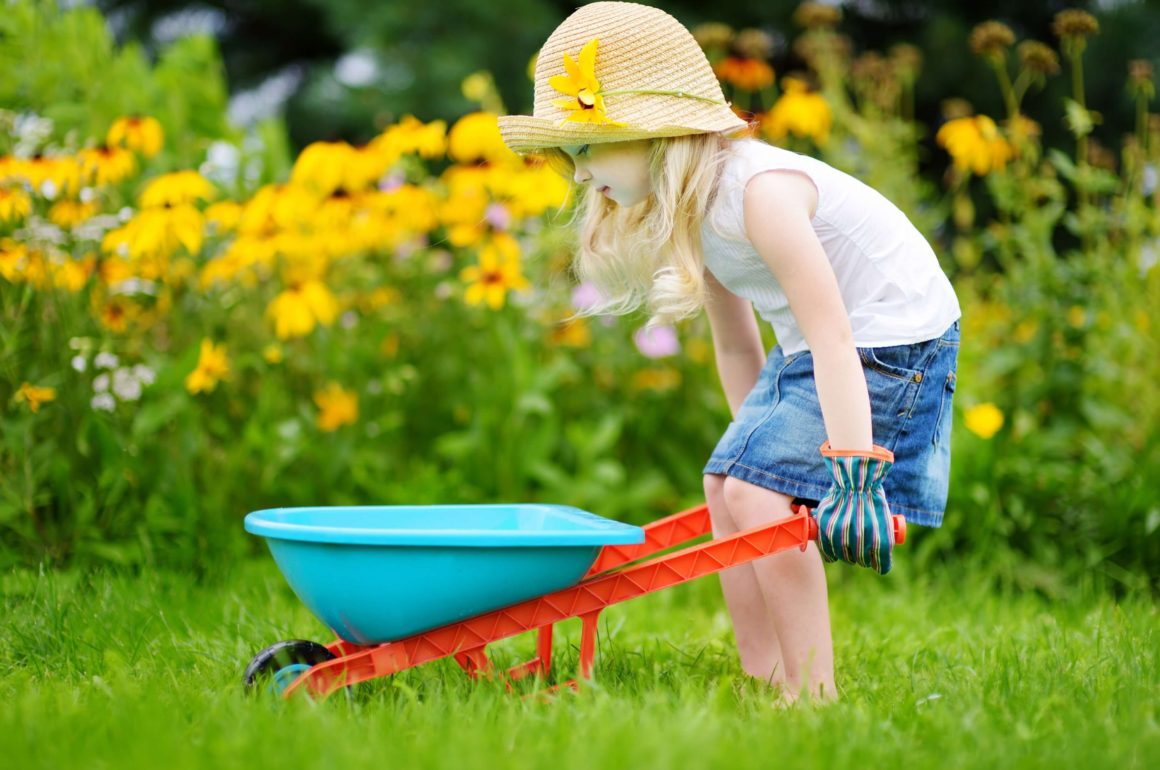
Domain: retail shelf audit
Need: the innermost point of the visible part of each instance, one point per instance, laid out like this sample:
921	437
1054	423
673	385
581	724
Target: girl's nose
581	176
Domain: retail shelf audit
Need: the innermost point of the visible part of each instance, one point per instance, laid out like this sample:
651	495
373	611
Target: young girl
852	408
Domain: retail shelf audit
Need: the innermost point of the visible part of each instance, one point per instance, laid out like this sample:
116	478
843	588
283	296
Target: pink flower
392	182
498	216
585	296
657	342
407	248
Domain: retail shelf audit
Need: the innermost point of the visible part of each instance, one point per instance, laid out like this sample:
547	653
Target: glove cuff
877	453
858	470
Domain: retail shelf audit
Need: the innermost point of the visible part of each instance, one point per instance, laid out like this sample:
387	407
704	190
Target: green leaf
1063	164
1080	120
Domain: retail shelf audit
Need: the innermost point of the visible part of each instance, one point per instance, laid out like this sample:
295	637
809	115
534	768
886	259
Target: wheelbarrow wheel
281	663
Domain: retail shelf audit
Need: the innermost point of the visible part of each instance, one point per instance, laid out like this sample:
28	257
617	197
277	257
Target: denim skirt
775	439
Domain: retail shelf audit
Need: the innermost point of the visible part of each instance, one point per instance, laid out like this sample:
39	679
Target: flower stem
999	64
1020	88
1075	57
1142	122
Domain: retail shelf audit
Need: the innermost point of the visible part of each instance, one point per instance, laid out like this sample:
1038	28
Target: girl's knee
751	506
714	487
718	511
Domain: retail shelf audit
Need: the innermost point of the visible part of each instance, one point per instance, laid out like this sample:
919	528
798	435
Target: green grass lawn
936	670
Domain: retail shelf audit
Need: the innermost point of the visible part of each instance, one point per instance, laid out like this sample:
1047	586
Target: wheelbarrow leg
474	662
544	649
542	663
588	643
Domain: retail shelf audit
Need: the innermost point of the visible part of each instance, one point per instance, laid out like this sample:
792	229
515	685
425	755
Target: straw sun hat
612	72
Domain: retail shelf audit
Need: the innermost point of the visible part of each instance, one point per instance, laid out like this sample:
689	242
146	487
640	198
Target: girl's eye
583	149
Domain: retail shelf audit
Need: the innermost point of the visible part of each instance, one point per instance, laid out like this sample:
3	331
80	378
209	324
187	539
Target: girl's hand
854	522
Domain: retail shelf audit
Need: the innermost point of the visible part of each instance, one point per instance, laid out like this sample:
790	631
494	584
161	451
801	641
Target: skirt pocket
942	426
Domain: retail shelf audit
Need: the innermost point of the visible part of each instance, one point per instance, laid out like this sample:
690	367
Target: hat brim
524	133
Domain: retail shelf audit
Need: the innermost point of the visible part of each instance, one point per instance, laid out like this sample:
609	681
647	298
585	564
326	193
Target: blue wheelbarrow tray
376	574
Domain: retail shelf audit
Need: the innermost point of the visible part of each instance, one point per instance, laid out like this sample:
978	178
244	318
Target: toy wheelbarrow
405	585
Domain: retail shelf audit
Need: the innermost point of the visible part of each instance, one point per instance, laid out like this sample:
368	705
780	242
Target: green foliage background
429	48
482	406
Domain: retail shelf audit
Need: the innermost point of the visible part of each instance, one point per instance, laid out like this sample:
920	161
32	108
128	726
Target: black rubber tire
281	654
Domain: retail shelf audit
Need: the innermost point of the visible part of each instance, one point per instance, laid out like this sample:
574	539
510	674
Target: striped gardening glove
854	522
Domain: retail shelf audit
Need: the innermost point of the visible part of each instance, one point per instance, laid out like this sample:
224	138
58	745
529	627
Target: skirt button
918	377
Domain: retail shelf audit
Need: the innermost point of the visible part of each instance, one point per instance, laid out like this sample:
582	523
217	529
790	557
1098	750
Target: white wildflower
103	402
133	285
144	374
125	385
106	361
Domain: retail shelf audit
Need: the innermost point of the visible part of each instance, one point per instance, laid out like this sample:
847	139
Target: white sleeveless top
894	290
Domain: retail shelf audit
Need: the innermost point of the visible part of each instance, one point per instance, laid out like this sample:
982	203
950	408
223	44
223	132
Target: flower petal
564	85
496	294
588	60
573	70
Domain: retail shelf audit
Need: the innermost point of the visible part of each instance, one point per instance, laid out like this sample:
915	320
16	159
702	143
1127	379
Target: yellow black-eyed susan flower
799	112
475	138
412	136
49	175
497	273
324	167
224	216
34	395
974	144
213	365
157	232
176	189
984	420
140	133
15	204
300	308
744	73
337	407
70	213
106	165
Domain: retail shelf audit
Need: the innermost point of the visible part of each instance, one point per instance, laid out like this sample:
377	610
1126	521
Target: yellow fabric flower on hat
585	104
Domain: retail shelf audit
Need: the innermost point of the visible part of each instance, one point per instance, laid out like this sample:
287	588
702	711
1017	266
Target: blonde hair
650	254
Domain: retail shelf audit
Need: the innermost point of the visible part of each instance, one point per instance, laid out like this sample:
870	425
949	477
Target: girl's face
619	169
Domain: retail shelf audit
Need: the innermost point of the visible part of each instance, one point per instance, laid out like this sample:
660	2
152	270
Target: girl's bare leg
753	627
793	584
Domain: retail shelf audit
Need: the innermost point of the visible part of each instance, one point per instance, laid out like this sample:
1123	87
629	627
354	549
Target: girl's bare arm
778	208
736	341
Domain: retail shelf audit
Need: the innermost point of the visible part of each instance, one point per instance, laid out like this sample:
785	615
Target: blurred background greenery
262	254
347	69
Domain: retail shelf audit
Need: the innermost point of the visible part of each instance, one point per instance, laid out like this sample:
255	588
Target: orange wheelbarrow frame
613	578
